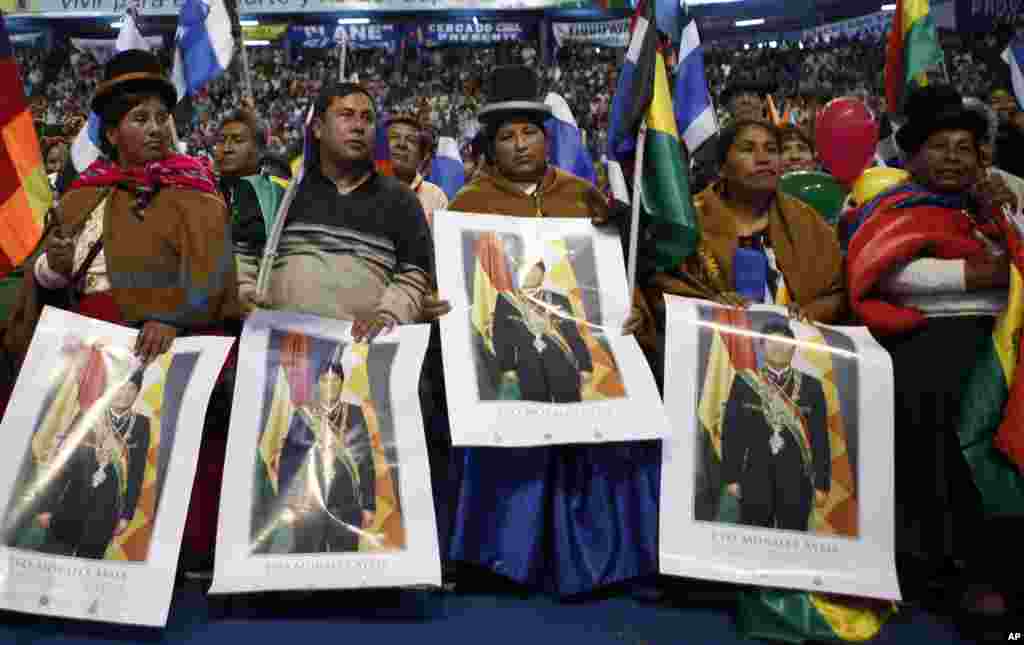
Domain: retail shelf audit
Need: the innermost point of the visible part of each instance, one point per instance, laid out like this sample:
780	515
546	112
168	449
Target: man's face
747	107
55	158
241	156
1004	105
125	397
947	162
345	131
406	155
520	151
778	351
330	386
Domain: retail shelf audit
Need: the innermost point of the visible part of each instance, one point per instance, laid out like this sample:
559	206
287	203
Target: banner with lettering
985	15
467	32
90	8
877	22
779	469
602	33
370	36
326	478
100	455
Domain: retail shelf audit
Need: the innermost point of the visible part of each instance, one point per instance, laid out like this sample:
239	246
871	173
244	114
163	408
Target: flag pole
343	56
634	222
236	31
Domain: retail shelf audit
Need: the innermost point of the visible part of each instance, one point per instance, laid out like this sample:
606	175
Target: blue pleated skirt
568	519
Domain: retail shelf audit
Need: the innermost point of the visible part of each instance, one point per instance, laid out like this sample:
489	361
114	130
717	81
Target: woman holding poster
758	245
140	239
568	518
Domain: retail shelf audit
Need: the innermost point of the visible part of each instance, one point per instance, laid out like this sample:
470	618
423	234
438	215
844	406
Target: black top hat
513	90
133	70
933	108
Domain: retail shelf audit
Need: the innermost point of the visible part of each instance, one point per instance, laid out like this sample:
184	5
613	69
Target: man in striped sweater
355	244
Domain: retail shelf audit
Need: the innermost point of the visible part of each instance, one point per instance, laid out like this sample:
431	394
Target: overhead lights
353	21
750	23
476	21
117	24
773	44
692	3
888	7
249	22
257	43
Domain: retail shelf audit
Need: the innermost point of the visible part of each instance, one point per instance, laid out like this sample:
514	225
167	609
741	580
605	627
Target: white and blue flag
203	45
86	147
1014	57
446	169
695	114
565	143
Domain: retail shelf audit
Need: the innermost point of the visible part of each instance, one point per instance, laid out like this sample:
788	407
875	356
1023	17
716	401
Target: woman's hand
797	313
732	299
122	526
992	192
433	308
366	329
154	340
43	519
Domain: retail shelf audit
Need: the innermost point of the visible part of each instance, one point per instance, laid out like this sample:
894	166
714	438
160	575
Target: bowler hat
133	71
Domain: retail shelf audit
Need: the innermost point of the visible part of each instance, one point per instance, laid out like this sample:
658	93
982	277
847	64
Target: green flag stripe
665	196
920	49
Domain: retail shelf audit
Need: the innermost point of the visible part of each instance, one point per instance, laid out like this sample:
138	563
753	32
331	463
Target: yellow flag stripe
1008	326
660	116
913	10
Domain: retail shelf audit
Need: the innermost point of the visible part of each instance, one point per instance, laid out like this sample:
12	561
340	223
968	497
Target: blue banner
359	36
459	32
984	15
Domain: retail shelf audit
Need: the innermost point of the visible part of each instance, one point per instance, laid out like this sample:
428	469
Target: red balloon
846	134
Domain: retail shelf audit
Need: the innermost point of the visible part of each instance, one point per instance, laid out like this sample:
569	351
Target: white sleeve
927	276
47	277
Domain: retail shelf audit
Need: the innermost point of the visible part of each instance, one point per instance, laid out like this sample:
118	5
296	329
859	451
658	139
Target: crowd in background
445	85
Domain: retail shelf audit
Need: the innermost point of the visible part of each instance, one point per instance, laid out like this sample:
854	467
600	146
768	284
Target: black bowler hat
513	91
934	108
132	71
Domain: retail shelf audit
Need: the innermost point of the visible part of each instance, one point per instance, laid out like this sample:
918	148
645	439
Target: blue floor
428	617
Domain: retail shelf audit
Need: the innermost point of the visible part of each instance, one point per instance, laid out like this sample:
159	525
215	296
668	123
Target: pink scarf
174	171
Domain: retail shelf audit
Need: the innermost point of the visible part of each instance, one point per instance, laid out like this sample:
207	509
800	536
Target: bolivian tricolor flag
665	189
992	409
24	190
913	48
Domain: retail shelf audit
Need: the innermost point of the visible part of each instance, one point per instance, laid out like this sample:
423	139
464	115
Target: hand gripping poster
533	347
326	480
101	454
779	468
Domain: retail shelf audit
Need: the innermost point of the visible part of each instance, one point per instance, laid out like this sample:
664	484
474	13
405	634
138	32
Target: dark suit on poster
86	500
776	471
547	358
347	483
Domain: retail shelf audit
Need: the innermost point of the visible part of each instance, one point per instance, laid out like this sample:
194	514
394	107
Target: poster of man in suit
326	477
324	493
782	432
537	320
537	350
90	484
97	474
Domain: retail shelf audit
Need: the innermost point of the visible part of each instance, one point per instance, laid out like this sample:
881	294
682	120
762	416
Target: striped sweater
351	256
